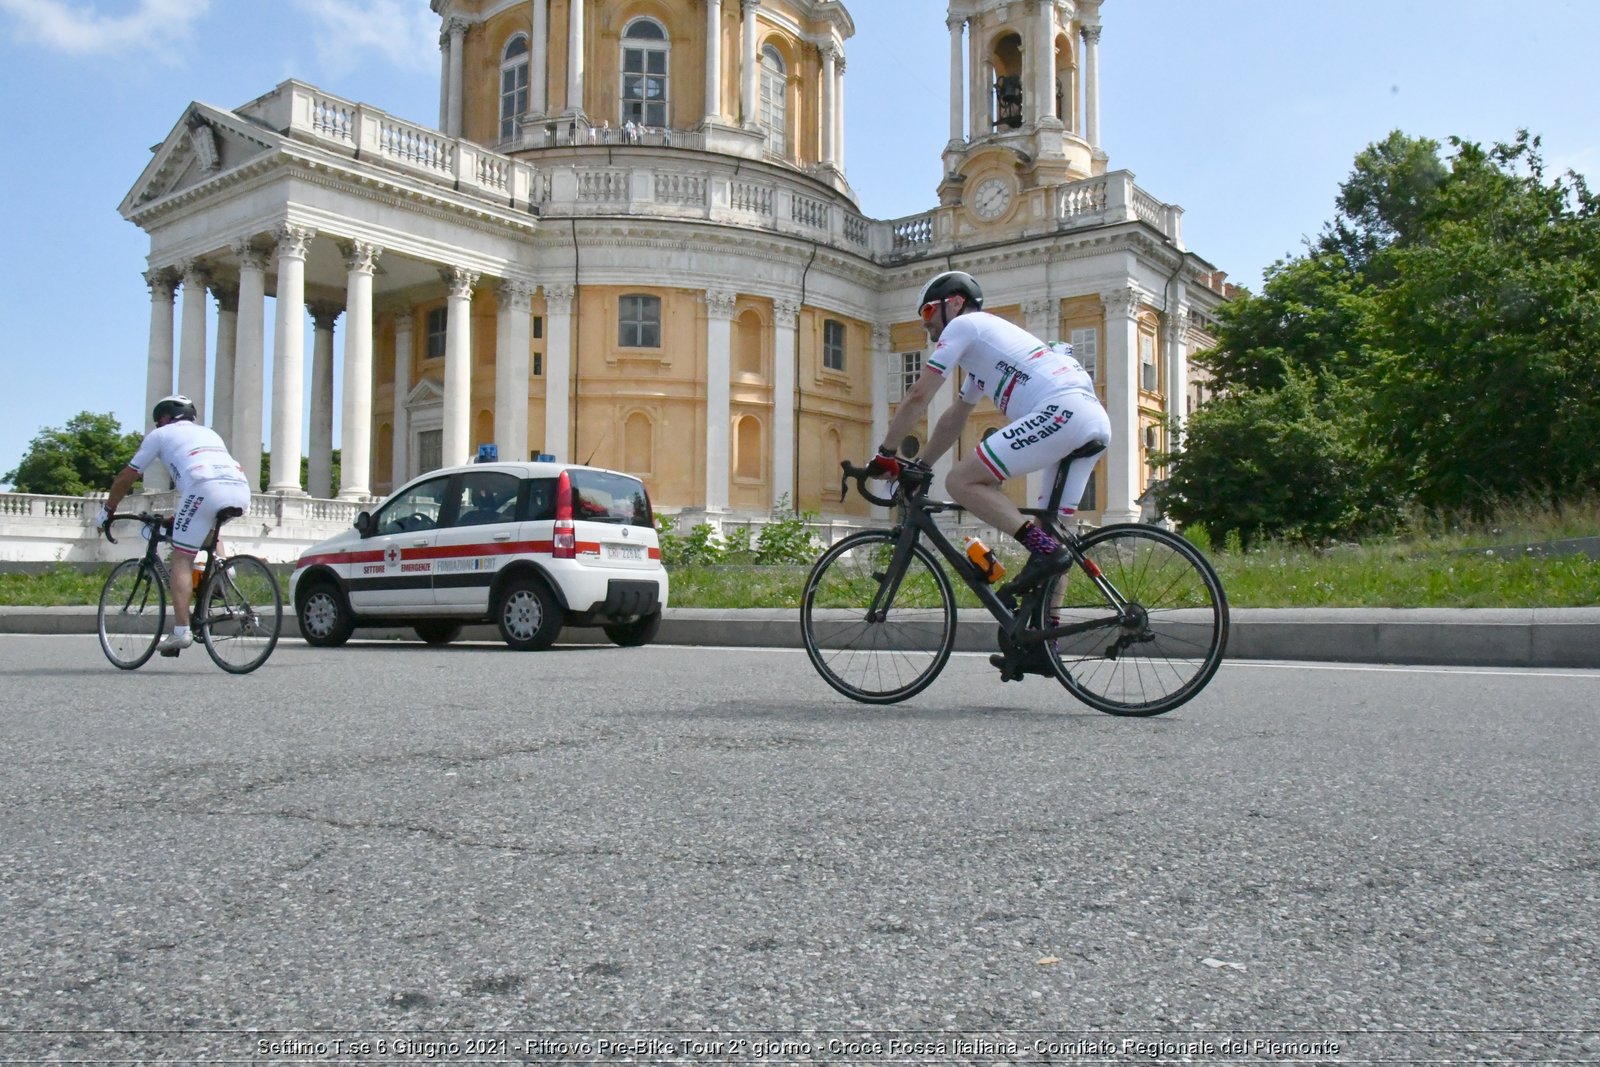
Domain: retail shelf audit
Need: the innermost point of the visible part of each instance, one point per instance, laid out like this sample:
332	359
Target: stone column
838	113
401	446
227	298
955	23
355	416
288	358
1177	352
713	61
444	81
884	364
558	305
192	341
1091	87
539	60
457	437
319	461
750	70
1044	69
512	335
575	58
785	313
719	337
1042	319
1122	404
830	56
457	30
163	282
249	364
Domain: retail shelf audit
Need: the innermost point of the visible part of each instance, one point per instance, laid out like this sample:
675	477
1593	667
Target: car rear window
601	496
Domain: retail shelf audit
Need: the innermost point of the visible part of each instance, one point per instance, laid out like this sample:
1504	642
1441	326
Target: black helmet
175	407
951	283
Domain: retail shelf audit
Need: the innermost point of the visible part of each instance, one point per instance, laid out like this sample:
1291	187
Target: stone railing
578	180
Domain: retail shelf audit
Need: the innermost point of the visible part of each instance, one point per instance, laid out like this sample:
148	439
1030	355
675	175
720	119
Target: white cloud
400	33
83	30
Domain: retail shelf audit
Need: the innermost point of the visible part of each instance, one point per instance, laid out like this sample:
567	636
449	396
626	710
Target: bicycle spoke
241	612
132	612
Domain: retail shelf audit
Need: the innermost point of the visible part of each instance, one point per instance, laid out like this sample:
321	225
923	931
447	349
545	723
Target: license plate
625	551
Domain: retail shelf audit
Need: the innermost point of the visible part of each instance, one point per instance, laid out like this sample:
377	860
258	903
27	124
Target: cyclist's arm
120	486
947	429
911	408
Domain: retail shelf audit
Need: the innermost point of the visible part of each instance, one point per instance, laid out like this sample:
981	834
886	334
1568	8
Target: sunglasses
930	307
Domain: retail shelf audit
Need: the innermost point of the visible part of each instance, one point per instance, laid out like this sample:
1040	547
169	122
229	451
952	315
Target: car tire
324	615
438	631
640	631
528	615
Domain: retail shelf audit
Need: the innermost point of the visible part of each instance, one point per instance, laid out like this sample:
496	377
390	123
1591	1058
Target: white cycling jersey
1006	363
206	476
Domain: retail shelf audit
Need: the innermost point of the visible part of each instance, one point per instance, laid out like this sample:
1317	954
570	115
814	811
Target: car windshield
601	496
416	508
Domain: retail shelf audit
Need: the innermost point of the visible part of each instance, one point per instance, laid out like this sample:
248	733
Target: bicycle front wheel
133	610
1161	644
241	613
877	653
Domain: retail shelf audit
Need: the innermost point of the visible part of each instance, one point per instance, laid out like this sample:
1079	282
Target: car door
480	538
398	577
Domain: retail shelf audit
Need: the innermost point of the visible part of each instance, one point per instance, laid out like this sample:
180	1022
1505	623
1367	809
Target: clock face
991	198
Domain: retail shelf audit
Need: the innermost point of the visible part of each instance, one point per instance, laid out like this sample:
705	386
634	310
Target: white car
530	547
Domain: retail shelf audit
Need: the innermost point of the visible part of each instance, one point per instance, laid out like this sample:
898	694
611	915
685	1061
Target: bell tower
1024	101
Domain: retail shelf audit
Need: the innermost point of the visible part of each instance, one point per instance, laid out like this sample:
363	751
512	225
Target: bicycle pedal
1007	673
171	653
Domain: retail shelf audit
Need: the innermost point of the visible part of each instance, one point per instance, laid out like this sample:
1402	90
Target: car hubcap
523	615
320	614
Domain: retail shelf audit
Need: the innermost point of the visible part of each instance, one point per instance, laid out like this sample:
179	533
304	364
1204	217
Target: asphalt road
705	855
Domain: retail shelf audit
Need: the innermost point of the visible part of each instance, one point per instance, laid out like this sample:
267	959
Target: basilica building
631	241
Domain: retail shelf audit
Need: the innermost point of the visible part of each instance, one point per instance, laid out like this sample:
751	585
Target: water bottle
982	557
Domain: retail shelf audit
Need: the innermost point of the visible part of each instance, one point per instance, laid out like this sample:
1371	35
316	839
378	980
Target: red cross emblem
391	555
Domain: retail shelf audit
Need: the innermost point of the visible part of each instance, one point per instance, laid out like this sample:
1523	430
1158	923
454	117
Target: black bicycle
237	614
1137	625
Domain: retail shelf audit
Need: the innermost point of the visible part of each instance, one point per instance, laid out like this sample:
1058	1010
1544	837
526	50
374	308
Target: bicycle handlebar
914	477
144	516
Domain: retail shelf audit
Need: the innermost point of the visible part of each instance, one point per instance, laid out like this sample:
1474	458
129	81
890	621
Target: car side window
486	497
416	508
541	503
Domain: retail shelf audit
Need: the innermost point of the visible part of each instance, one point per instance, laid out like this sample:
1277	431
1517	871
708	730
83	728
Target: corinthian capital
195	272
719	303
250	256
558	298
360	256
1124	302
460	280
226	295
293	241
163	281
785	313
516	294
1090	33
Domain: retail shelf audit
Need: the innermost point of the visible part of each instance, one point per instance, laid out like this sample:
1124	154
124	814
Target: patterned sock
1034	539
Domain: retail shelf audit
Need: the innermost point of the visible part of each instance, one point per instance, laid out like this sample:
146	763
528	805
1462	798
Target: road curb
1481	637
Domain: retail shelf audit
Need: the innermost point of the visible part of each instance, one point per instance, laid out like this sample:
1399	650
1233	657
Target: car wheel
324	615
438	631
640	631
528	615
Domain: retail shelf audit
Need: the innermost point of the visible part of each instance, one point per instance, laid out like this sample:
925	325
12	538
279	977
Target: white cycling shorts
1042	438
197	511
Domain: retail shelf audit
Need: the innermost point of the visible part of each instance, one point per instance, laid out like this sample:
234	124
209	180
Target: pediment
205	144
427	393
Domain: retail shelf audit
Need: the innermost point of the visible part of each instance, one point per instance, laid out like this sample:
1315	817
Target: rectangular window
833	344
538	327
1147	363
910	369
1086	346
644	86
438	324
430	450
538	364
639	321
513	98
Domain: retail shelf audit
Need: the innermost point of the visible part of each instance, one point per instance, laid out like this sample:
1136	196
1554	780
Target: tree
81	457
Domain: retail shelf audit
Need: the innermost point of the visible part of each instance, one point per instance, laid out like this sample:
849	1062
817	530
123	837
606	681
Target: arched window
747	333
747	448
513	85
774	100
645	51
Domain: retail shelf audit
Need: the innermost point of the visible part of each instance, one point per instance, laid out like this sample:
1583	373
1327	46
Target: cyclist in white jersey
208	479
1040	387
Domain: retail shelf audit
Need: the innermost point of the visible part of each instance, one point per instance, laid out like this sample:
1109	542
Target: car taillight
565	542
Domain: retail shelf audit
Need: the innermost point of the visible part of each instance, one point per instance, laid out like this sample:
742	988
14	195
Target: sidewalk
1486	637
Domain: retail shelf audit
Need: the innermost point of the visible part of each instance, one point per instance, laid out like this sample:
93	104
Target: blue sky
1247	113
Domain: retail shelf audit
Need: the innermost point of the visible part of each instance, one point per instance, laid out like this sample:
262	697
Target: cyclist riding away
1040	387
208	480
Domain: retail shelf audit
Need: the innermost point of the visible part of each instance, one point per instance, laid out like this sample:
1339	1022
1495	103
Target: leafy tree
81	457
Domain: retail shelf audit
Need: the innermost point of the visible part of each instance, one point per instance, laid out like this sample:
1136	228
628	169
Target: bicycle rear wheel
133	610
885	658
241	613
1161	648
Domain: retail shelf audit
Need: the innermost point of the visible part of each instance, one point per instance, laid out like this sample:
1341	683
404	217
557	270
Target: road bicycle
1136	625
237	614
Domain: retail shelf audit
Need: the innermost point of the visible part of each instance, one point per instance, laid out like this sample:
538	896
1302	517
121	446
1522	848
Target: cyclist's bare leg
182	573
975	487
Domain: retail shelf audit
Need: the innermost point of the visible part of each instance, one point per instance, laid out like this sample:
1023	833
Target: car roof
529	469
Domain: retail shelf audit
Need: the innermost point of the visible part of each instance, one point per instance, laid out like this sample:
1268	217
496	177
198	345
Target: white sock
179	631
